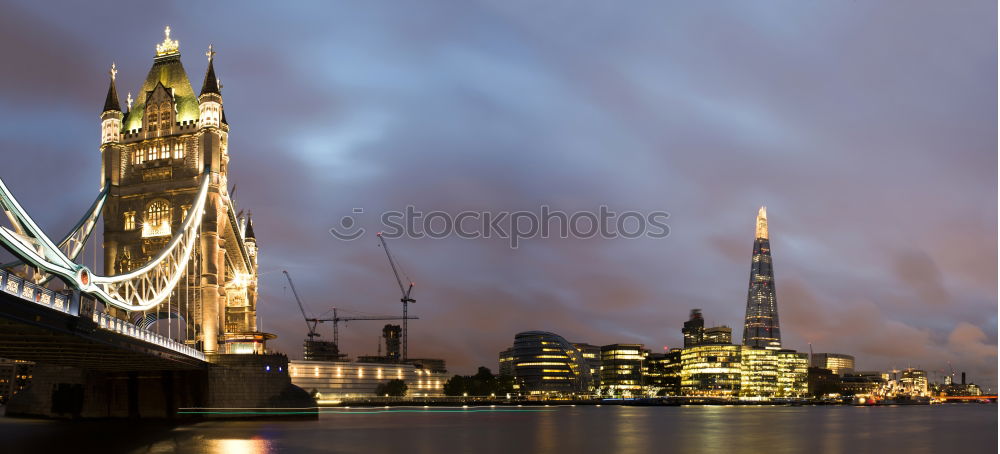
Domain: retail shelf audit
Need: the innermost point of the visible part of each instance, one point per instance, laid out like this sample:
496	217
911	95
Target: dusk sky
869	129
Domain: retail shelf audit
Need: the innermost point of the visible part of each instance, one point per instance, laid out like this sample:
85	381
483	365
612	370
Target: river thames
966	428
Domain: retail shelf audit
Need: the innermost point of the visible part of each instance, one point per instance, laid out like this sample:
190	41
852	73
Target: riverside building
331	381
711	370
837	363
544	363
663	373
622	369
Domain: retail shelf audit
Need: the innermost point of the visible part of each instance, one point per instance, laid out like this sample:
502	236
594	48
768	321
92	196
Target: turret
111	115
250	240
210	99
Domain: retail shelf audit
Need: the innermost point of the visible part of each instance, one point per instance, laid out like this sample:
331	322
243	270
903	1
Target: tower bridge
176	252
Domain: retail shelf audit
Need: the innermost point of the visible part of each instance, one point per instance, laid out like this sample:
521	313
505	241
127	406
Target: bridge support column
133	395
67	392
210	288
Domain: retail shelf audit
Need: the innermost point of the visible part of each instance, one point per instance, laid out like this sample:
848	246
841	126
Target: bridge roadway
37	324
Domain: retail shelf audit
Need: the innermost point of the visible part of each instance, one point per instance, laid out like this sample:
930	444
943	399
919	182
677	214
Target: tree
456	386
483	383
394	388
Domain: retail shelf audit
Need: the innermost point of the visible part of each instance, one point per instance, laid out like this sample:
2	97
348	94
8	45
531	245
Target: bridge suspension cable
137	290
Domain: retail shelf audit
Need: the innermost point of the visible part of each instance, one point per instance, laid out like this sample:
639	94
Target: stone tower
761	328
154	156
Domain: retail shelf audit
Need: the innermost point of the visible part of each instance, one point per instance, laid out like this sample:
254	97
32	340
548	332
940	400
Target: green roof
169	71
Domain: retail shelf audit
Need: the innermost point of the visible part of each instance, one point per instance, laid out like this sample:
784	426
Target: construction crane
311	326
336	321
405	298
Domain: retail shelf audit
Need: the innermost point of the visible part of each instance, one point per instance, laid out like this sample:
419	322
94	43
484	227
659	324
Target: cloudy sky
869	129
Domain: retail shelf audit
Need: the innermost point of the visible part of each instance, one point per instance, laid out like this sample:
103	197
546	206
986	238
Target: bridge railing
120	326
27	290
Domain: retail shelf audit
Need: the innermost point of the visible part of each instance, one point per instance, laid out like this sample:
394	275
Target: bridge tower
153	155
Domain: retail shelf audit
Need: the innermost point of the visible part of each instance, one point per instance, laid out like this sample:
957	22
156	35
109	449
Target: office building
592	356
836	362
622	369
861	383
718	335
793	374
758	373
694	329
663	373
761	327
507	362
913	382
711	370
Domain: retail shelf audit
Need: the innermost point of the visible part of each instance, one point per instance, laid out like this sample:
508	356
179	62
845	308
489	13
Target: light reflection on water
235	445
581	429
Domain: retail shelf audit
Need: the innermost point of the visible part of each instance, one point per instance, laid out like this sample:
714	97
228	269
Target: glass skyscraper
761	326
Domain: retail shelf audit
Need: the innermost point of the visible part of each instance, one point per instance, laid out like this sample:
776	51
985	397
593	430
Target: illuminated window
178	150
157	219
130	220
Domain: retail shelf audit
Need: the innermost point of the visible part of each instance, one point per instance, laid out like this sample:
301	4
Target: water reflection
580	429
239	446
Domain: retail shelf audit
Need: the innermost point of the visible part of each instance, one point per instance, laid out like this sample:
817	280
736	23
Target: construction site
331	375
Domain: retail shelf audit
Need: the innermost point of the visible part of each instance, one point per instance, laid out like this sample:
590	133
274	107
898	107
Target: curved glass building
545	362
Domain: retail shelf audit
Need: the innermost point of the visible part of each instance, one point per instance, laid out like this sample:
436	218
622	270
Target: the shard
760	328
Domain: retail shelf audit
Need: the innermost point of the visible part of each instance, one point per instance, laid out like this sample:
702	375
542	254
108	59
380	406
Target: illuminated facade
592	356
153	155
711	370
837	363
759	373
663	373
761	324
861	383
751	373
622	369
718	335
793	374
338	380
913	382
546	363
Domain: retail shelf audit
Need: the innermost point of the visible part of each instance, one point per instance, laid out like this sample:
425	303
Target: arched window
129	220
156	222
165	111
151	118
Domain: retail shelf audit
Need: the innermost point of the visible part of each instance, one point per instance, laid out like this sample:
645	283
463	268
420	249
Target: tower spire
111	101
762	222
211	84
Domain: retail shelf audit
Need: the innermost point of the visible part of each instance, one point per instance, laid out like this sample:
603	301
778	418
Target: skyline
904	288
